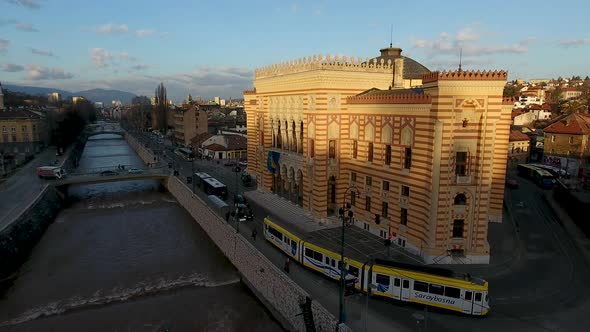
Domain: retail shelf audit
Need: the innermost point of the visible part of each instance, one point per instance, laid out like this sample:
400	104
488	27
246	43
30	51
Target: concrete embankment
276	290
146	155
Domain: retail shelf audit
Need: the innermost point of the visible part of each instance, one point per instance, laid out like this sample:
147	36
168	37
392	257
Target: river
127	257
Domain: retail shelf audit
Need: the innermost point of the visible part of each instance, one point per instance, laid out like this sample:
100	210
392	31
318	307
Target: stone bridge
109	174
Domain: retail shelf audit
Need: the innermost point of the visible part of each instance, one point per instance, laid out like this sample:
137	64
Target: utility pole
343	212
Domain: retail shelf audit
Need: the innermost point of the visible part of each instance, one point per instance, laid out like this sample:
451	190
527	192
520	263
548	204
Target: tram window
351	269
293	245
275	233
420	286
436	289
468	296
396	282
308	252
406	284
452	292
327	260
333	263
477	297
382	279
317	256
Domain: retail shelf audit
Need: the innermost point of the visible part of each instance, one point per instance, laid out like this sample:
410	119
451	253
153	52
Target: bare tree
161	107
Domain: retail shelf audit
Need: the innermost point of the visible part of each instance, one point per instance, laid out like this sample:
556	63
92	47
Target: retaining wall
18	239
276	290
146	155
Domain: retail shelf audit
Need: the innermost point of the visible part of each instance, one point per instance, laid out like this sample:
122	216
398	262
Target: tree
511	91
556	95
587	78
190	99
161	107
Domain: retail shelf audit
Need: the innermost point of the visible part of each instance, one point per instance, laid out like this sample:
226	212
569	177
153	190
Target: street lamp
344	212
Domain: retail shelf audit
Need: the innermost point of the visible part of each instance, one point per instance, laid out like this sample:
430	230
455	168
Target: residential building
189	121
77	99
224	146
518	148
532	113
54	97
22	134
426	151
566	144
570	93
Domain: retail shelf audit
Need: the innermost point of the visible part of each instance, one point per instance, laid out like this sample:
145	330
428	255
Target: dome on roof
412	68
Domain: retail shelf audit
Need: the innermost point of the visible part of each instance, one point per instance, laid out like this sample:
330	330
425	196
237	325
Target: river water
127	257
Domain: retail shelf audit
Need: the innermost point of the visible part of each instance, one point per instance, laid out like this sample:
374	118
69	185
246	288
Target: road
542	287
22	187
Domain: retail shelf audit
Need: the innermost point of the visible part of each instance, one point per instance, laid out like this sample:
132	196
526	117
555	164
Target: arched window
460	199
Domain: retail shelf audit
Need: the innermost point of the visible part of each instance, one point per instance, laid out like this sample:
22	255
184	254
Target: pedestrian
287	263
254	233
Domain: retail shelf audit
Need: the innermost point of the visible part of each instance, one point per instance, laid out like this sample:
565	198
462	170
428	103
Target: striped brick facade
457	112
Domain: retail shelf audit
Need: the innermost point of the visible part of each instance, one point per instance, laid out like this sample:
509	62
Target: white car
243	163
135	170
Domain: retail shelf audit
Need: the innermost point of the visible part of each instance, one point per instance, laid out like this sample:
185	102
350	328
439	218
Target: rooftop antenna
460	58
391	37
393	61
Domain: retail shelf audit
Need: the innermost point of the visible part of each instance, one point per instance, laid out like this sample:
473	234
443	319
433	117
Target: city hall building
420	155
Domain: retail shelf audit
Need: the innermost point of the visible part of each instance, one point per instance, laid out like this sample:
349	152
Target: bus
541	177
199	177
212	186
185	153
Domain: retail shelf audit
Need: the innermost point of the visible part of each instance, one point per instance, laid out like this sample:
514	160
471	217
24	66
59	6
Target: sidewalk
505	247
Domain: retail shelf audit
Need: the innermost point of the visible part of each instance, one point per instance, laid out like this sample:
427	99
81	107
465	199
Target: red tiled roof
236	142
215	147
516	135
199	139
575	123
515	113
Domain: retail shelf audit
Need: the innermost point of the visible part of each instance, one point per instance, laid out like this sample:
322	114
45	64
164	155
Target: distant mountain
106	96
95	95
35	90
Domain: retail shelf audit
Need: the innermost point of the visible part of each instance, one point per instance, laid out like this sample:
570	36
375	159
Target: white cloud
574	42
25	27
101	57
294	8
41	52
12	68
467	39
37	73
26	3
110	28
4	45
144	33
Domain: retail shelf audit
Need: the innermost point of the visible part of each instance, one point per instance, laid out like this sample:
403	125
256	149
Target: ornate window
460	199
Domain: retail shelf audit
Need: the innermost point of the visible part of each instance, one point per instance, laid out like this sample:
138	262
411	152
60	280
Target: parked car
135	170
243	163
240	200
246	179
245	213
230	163
109	173
511	183
50	172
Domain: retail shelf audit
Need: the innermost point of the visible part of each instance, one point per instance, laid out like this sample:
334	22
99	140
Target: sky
211	48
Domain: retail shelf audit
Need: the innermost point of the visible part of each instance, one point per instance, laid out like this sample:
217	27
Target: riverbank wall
146	155
281	295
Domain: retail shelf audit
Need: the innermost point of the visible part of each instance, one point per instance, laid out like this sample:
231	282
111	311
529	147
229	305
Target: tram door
397	288
405	289
467	302
329	267
477	303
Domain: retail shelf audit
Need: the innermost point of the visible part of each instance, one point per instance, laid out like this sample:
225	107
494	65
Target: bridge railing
121	169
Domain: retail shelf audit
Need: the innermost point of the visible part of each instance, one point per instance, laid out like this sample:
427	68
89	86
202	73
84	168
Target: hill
106	96
35	90
95	95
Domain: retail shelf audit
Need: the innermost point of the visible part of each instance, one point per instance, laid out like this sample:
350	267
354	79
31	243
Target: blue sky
210	48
